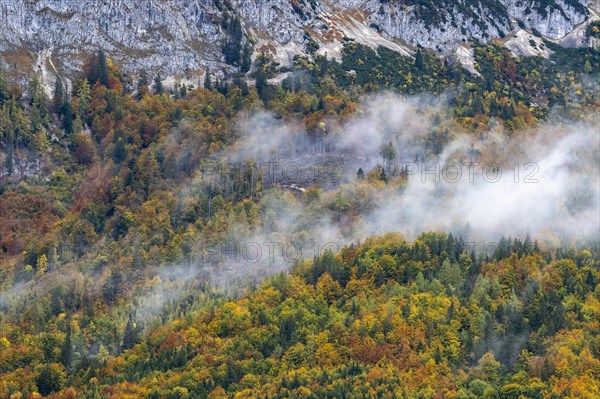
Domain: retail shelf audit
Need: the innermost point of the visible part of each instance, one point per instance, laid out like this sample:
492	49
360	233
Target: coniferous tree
142	84
388	153
241	83
419	63
130	336
68	117
102	68
111	287
37	95
38	102
62	106
383	176
264	90
261	81
477	106
360	175
207	81
3	86
246	58
56	301
58	101
233	46
66	353
223	87
98	69
158	86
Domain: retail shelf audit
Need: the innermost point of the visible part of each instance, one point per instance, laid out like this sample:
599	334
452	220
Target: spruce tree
66	352
360	175
158	86
130	336
264	90
261	81
38	102
68	118
241	83
233	46
142	84
58	100
112	286
419	63
388	153
207	81
98	69
102	68
246	58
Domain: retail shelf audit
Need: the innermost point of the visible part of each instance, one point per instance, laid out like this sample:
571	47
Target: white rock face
460	21
139	33
552	22
578	38
524	44
173	36
466	57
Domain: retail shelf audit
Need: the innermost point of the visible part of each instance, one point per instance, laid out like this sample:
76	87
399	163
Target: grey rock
175	36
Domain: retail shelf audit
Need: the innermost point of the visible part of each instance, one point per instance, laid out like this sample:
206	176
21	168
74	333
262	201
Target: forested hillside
383	319
121	205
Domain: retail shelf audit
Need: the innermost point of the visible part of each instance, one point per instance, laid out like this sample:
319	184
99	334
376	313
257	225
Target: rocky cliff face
439	24
175	36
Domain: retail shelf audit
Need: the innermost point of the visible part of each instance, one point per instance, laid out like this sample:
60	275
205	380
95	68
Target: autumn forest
255	236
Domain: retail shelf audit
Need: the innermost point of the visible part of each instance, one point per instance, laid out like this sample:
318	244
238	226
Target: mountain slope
176	36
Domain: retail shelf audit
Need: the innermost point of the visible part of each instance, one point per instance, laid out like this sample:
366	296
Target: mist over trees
129	208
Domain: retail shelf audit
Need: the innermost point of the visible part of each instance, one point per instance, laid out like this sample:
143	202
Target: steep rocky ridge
179	36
